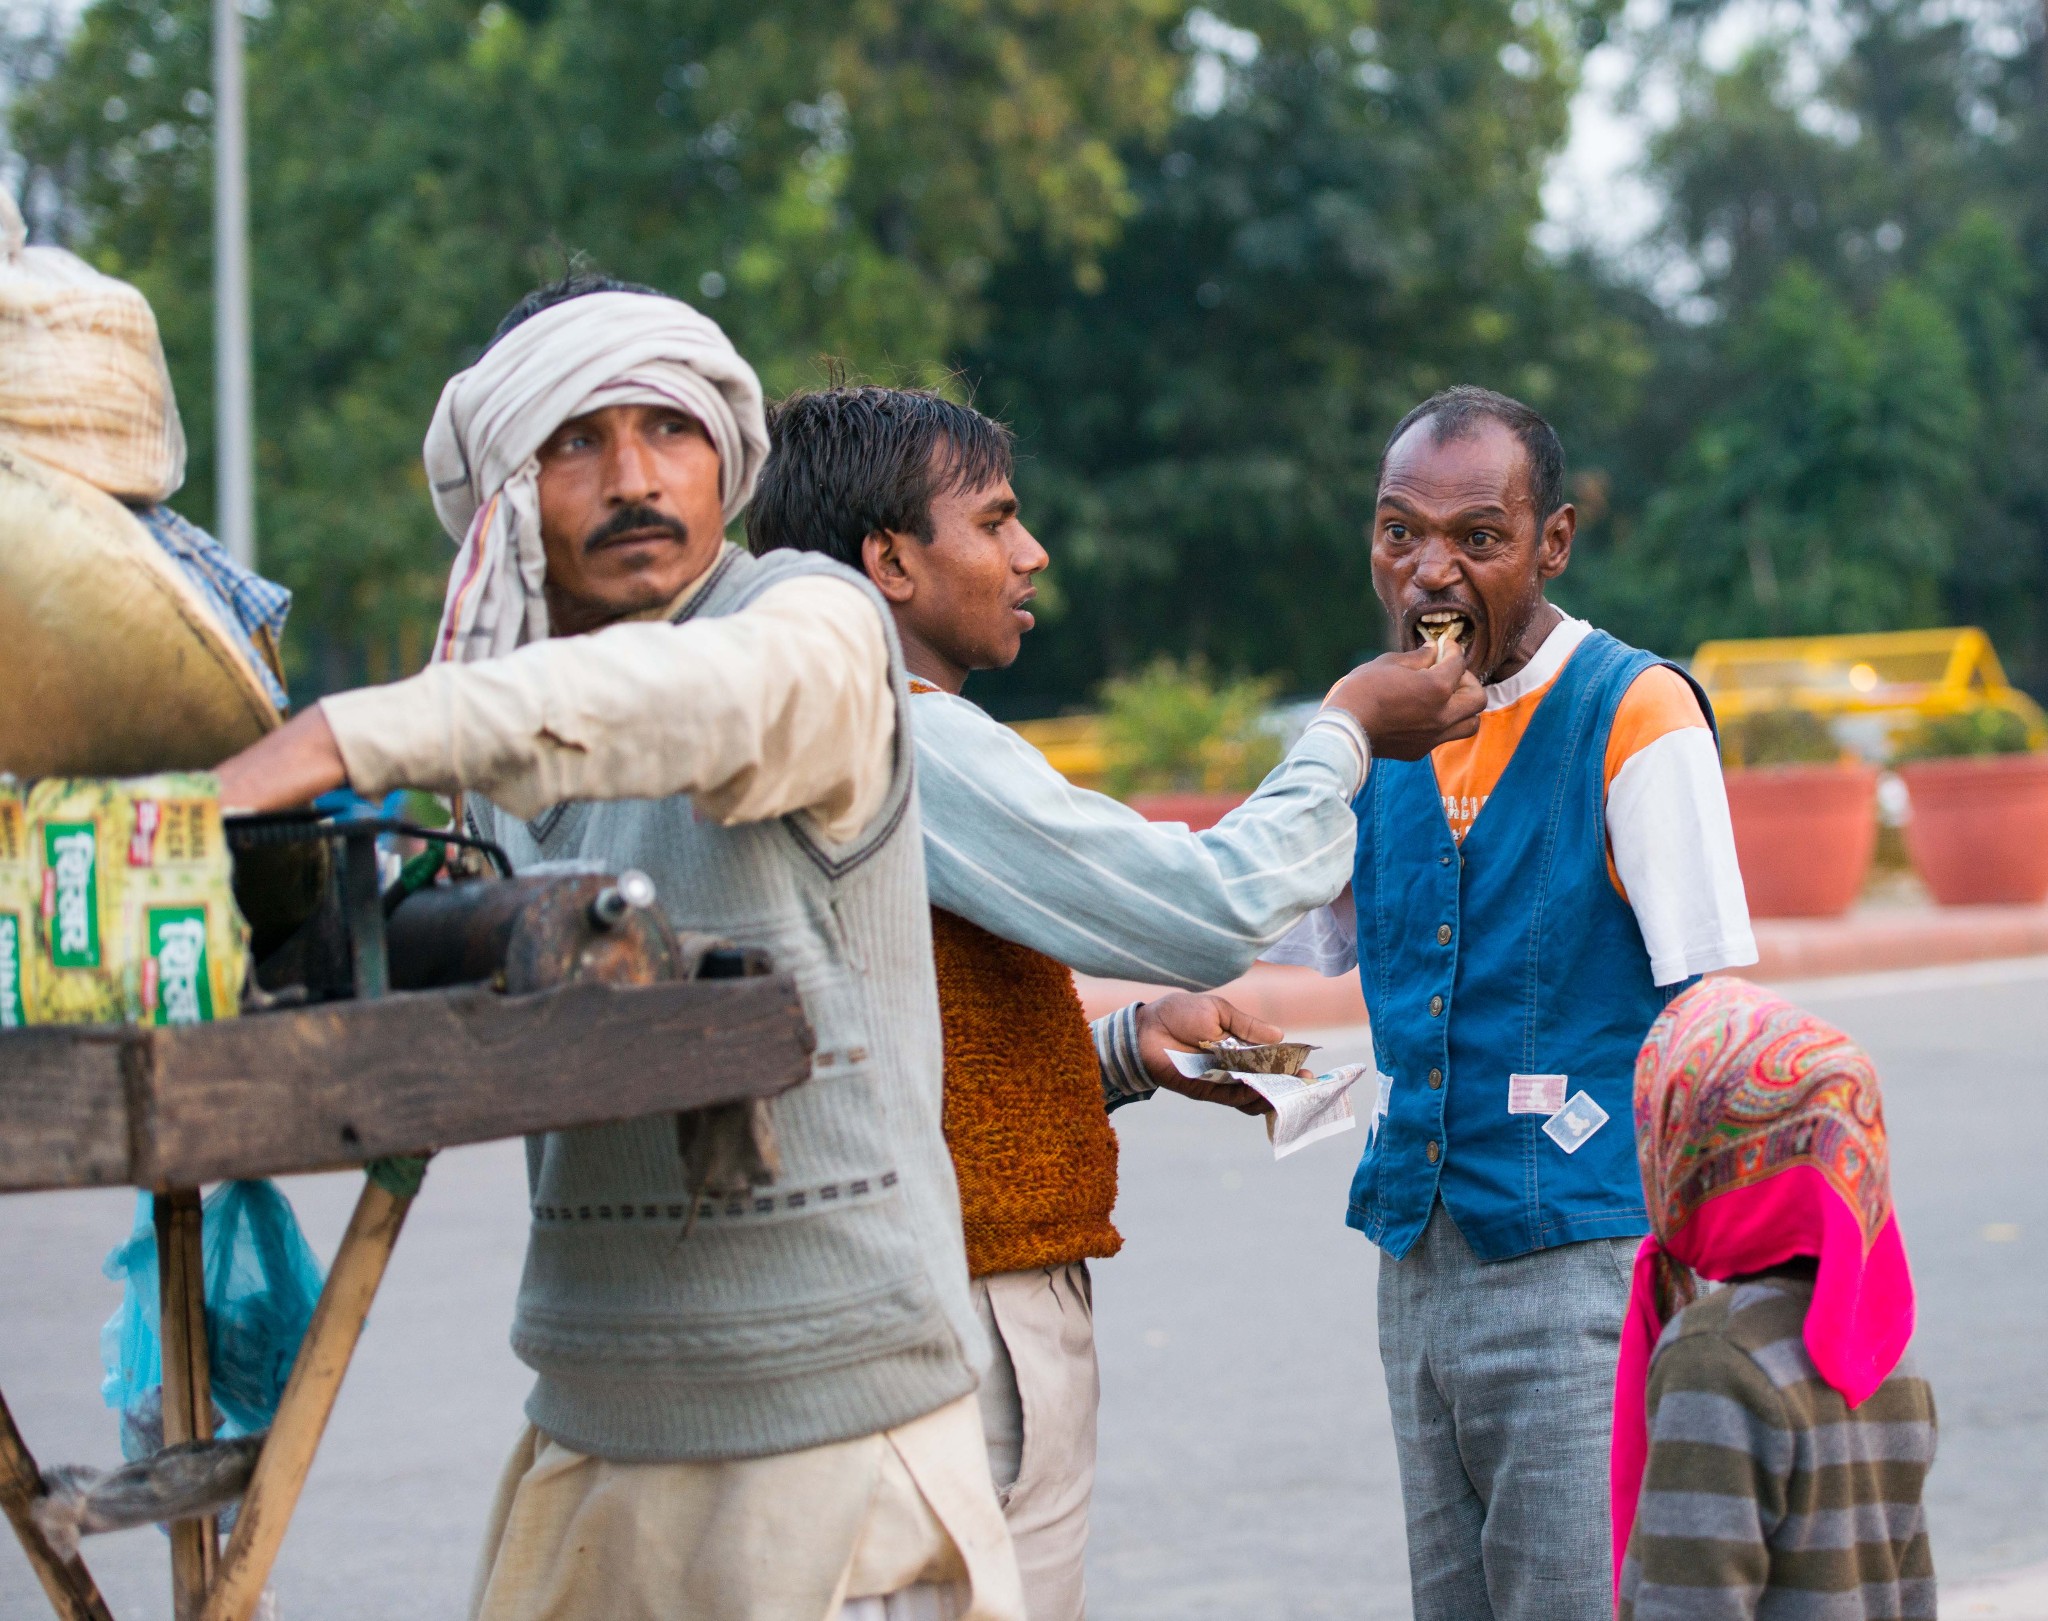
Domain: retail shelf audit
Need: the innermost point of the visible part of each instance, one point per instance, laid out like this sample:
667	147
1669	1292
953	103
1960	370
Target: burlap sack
111	662
83	384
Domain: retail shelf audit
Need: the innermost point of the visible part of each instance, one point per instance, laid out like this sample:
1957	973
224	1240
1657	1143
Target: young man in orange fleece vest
1031	878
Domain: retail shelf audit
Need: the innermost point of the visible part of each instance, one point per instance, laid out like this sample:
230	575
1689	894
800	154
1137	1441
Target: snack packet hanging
137	914
17	905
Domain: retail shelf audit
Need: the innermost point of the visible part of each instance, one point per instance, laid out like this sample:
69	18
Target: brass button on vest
1436	1079
1436	1006
1443	934
1432	1153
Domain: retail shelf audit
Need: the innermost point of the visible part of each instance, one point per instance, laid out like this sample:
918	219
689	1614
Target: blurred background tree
1846	426
1202	259
825	180
1338	223
1170	729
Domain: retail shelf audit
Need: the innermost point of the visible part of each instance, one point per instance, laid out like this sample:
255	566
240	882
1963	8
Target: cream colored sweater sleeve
781	707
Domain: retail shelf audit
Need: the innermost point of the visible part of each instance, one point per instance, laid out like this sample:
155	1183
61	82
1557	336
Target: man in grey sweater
766	1413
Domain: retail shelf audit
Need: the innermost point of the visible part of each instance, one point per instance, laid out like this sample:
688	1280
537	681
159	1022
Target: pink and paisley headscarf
1761	1136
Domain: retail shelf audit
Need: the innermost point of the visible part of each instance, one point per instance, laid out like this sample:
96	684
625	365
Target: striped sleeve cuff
1116	1050
1345	725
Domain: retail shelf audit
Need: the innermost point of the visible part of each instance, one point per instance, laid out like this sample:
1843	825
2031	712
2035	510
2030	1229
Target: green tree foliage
1171	728
826	179
1201	259
1828	491
1337	227
1847	427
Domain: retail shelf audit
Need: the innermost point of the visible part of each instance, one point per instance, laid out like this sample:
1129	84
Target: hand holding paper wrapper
1305	1109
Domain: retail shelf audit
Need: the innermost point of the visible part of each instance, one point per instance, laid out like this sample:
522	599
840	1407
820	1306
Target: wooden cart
377	1083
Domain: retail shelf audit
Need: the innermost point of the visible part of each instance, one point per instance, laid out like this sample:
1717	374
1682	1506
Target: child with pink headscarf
1770	1438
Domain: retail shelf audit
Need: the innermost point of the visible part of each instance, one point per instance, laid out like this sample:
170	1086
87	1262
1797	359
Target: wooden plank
352	1081
188	1384
308	1399
63	1108
312	1088
66	1582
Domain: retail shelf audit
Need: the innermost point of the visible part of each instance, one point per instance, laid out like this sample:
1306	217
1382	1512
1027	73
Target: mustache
628	520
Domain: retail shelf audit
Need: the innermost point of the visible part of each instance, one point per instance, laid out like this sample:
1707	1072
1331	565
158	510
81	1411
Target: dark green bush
1974	731
1778	737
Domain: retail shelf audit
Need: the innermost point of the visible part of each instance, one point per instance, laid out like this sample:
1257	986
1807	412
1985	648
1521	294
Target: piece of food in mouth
1444	631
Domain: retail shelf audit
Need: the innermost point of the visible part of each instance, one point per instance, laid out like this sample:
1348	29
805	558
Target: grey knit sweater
834	1302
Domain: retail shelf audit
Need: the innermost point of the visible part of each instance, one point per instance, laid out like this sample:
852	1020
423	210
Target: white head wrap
577	356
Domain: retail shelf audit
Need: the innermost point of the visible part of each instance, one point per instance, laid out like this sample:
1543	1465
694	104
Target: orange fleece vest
1024	1116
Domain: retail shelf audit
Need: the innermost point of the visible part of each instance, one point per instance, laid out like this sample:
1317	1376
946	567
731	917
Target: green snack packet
17	905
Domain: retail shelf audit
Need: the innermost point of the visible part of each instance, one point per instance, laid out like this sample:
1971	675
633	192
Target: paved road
1247	1470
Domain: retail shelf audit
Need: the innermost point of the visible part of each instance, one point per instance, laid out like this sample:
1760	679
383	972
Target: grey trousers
1501	1379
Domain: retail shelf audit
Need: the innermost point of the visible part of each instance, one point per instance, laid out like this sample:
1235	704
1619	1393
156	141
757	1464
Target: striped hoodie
1766	1495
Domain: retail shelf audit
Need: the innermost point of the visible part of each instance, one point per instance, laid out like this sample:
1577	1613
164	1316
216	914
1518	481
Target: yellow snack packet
17	905
75	974
137	917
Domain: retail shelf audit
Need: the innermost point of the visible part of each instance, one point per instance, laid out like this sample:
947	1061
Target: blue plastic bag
262	1283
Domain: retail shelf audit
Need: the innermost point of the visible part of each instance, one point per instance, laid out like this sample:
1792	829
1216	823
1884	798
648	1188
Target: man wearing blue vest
1526	901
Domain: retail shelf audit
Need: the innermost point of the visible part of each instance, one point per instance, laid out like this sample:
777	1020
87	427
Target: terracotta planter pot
1979	831
1804	835
1197	810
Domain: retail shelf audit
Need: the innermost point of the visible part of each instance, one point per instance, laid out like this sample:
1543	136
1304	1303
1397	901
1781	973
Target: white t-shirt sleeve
1674	851
1325	940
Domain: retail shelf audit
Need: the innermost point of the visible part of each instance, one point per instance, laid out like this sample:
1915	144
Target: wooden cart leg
188	1390
72	1592
308	1399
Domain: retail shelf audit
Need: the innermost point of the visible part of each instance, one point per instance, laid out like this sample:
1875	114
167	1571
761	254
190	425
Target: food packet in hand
1305	1109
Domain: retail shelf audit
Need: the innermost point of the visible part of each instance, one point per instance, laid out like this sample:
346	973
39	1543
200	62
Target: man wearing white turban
754	1407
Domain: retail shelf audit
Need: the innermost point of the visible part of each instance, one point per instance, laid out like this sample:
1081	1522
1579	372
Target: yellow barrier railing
1896	676
1073	743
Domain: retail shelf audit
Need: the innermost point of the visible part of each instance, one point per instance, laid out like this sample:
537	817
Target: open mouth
1443	629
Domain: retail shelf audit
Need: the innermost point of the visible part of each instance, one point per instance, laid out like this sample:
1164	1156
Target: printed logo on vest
1574	1123
175	988
10	971
1536	1094
71	893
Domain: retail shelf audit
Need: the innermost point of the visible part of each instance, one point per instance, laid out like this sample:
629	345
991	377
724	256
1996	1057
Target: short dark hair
576	283
846	462
1451	413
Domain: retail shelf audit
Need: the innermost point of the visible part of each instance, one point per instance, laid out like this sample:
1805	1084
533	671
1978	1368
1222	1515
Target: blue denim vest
1510	956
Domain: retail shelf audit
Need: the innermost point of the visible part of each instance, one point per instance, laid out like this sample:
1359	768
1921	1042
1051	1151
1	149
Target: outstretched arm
1014	847
781	707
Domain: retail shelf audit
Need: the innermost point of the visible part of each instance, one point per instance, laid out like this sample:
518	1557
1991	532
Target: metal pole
234	404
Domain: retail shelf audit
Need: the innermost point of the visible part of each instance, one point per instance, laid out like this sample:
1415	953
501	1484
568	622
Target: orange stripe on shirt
1657	703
